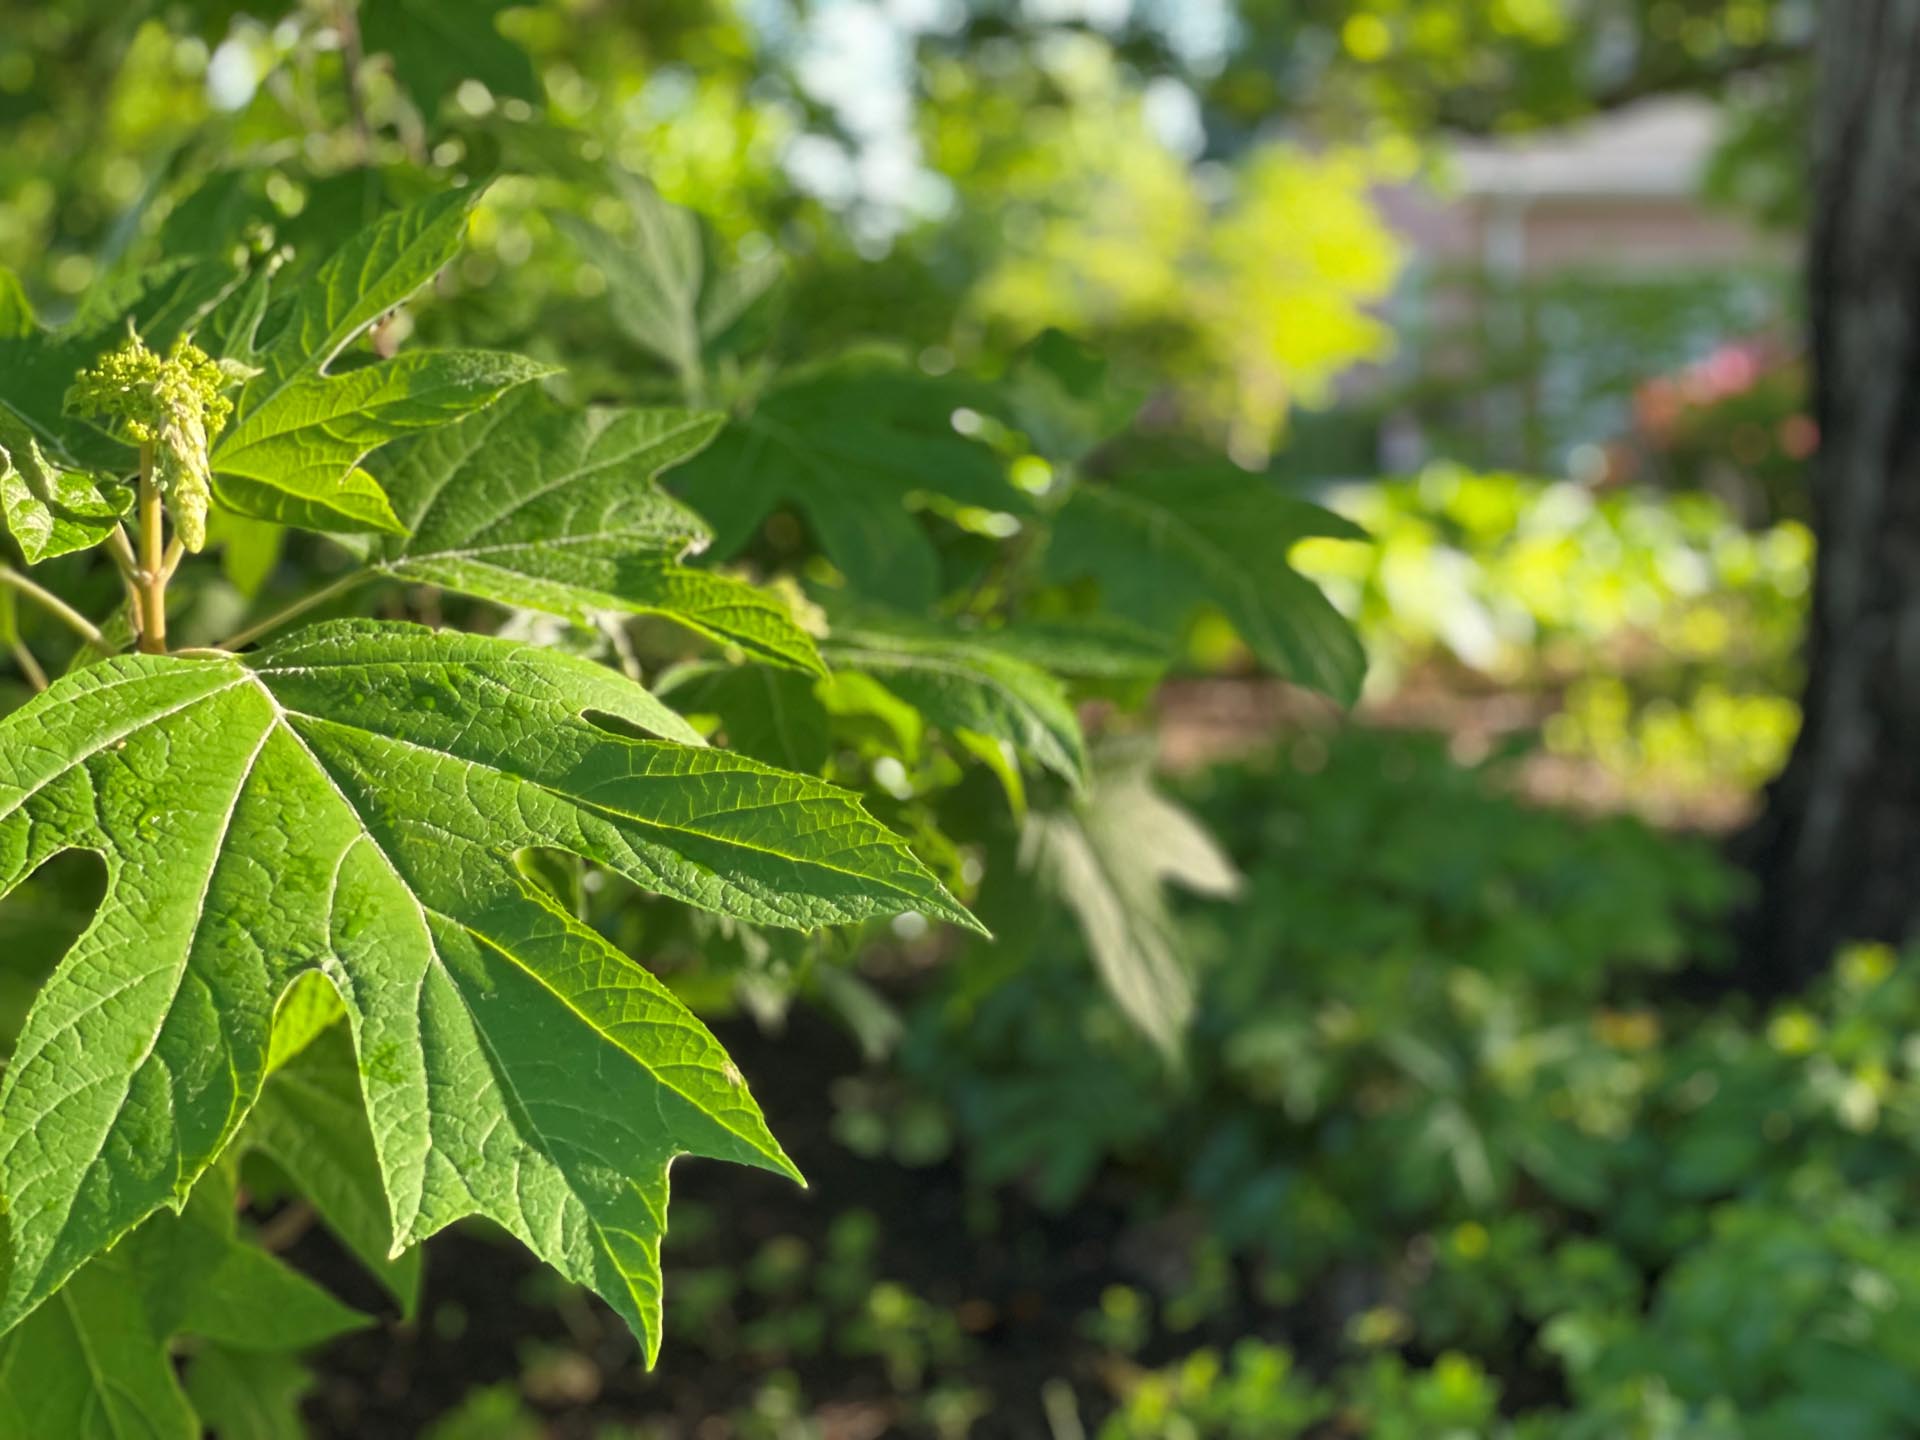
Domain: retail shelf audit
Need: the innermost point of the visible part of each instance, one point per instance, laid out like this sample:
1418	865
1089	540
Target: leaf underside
1166	544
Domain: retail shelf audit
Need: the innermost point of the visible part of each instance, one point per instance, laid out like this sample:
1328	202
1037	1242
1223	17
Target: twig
293	1221
29	667
298	607
74	620
616	633
124	560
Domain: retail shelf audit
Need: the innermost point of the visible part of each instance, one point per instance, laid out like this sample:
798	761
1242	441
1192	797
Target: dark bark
1837	855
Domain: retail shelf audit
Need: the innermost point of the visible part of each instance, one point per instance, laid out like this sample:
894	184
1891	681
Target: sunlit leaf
349	801
303	424
531	506
50	509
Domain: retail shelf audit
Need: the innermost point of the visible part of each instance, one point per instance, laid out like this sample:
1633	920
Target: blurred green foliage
1648	633
1443	1099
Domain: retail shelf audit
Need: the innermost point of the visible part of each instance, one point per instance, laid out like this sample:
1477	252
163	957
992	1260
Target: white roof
1652	148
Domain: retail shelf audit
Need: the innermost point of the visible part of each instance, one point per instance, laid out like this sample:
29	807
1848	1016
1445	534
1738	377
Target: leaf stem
152	573
125	561
77	622
29	667
306	602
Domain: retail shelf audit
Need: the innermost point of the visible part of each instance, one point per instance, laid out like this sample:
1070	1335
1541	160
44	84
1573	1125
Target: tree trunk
1837	854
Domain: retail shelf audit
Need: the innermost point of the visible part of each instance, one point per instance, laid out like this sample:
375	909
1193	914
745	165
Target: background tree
1839	847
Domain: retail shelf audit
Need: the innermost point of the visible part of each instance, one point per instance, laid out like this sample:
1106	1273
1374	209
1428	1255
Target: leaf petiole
59	608
311	600
29	666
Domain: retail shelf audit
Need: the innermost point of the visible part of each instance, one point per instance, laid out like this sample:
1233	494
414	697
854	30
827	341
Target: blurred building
1554	275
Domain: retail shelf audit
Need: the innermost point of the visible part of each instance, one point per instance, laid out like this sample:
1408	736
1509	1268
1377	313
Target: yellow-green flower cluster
176	404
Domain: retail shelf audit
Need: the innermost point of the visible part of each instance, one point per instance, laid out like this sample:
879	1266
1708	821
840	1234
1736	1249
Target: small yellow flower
175	404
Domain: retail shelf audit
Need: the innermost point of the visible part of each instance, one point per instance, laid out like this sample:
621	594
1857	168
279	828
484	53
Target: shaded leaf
772	715
962	681
242	1395
1165	544
664	288
1109	858
93	1363
436	44
310	1121
849	444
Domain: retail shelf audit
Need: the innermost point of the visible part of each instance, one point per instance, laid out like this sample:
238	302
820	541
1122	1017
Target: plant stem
128	564
77	622
29	667
299	607
153	560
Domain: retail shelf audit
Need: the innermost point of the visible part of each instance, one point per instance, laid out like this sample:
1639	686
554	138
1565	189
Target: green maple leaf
664	288
1109	857
1165	544
530	505
850	444
304	423
436	44
349	802
93	1363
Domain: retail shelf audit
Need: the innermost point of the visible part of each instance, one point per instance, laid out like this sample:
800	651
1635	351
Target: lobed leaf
662	287
349	802
1109	857
303	424
533	506
850	444
1164	544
